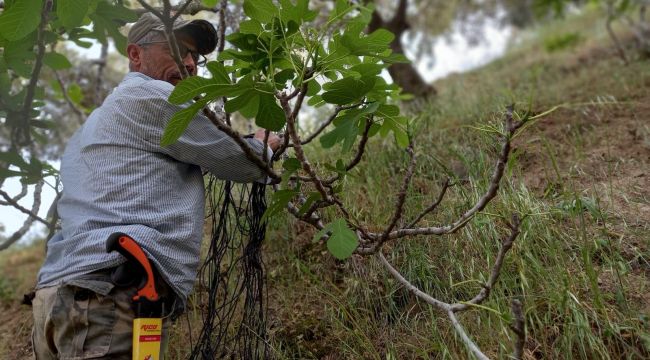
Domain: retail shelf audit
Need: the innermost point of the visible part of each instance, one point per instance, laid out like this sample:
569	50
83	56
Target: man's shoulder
140	84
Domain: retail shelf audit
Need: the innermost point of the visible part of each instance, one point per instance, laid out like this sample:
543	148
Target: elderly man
117	178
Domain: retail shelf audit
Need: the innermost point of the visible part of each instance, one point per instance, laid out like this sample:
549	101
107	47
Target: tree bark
405	75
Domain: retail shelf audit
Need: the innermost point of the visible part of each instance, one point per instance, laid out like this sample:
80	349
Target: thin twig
612	34
433	206
53	213
180	10
36	70
101	64
401	195
325	124
221	44
23	209
496	268
361	148
221	31
21	194
80	115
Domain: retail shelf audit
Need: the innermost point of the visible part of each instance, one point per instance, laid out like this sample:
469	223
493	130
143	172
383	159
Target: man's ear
133	51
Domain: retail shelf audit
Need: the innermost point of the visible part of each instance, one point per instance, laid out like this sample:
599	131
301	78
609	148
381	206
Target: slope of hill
580	174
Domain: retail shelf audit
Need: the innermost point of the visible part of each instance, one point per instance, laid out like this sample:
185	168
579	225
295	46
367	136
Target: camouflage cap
200	30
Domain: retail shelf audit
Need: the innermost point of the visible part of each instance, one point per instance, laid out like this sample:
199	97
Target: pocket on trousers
83	321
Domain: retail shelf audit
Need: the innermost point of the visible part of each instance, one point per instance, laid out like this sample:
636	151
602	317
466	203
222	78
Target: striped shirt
117	178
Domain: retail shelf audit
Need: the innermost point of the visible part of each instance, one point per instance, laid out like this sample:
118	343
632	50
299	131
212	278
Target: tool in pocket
147	304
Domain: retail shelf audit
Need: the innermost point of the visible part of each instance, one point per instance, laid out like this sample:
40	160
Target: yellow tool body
147	334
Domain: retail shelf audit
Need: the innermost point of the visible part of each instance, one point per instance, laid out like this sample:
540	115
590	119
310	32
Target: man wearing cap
117	178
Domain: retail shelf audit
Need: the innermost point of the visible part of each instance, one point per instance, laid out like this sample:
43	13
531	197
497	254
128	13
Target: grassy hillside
580	174
581	265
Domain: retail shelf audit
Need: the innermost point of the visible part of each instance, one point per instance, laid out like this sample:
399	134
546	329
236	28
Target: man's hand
274	141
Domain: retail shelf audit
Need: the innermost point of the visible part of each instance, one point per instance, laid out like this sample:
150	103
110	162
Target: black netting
231	292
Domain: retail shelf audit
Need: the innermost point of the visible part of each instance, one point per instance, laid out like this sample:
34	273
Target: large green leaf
72	12
75	94
116	13
341	8
342	241
56	61
270	115
279	201
348	90
367	70
247	103
20	19
298	13
18	55
348	126
180	121
219	73
250	27
193	86
397	126
260	10
311	199
107	19
373	44
347	130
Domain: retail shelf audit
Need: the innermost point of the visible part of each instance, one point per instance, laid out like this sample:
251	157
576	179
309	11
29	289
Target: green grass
580	264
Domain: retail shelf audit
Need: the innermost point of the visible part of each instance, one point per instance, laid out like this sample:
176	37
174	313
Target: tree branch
30	219
148	8
511	127
243	144
300	155
519	328
452	309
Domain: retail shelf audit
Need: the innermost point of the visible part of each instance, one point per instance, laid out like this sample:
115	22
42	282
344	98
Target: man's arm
202	143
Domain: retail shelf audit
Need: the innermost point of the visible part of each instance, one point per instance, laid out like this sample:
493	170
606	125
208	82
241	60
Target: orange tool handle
126	246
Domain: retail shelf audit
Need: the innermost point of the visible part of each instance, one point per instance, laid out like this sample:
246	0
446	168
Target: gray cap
200	30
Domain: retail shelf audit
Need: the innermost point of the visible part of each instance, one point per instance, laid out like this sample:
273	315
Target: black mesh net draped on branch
231	292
